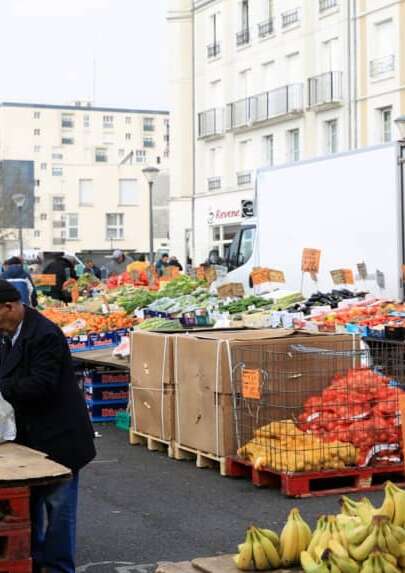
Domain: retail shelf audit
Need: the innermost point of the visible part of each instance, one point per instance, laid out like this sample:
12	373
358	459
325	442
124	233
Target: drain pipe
193	135
355	66
349	75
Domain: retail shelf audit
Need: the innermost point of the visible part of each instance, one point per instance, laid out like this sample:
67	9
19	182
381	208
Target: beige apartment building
90	192
258	83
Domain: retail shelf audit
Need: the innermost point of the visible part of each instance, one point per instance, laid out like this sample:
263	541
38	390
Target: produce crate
105	411
15	507
316	407
15	544
24	566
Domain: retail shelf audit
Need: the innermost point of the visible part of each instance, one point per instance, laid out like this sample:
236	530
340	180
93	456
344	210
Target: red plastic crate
15	504
24	566
15	544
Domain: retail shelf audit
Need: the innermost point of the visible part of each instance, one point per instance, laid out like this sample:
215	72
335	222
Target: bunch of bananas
259	551
378	561
380	534
295	537
392	507
328	528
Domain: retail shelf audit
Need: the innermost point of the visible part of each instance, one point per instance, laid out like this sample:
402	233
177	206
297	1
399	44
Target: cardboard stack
152	385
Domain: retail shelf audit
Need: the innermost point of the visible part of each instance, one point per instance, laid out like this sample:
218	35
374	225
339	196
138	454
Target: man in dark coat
37	379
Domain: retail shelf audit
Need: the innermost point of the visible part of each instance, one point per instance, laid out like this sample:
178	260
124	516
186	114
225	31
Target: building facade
257	83
90	192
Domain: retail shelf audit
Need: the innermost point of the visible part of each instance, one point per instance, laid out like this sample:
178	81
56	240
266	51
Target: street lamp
400	123
151	174
19	200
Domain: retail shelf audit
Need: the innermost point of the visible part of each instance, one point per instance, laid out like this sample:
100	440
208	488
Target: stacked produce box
106	393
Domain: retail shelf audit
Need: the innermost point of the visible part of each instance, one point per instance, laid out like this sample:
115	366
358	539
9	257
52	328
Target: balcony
325	91
290	18
58	240
59	224
265	28
243	37
211	123
213	50
214	183
382	66
270	106
327	5
244	178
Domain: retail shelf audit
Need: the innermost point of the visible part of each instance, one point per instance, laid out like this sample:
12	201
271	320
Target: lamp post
19	200
400	123
151	174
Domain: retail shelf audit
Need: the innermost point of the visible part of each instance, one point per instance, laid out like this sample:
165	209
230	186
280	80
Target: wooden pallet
202	459
153	443
311	484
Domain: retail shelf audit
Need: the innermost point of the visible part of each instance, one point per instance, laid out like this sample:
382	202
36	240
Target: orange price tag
310	260
402	414
251	384
348	276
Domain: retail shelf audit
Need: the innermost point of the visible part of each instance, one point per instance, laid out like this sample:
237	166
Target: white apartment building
259	83
90	192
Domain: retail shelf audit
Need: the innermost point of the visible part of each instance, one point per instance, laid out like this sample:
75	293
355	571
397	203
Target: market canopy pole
151	174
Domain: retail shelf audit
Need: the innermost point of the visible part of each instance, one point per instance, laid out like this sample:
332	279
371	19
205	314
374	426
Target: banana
386	565
274	538
398	532
392	544
368	565
337	549
309	565
345	564
259	555
362	551
320	527
289	541
402	547
358	534
390	558
269	549
244	560
401	561
398	496
388	506
304	532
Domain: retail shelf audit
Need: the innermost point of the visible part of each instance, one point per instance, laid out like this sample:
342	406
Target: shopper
174	262
37	379
63	269
118	264
13	271
92	269
162	264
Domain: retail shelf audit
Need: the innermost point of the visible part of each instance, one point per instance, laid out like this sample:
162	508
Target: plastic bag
8	429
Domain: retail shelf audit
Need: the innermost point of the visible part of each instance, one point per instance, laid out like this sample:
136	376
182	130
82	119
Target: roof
83	108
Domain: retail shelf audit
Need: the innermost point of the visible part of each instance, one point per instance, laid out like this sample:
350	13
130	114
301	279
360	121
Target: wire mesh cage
318	406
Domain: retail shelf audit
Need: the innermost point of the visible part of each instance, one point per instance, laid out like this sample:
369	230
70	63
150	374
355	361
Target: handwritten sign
310	260
276	276
380	278
251	384
44	280
342	276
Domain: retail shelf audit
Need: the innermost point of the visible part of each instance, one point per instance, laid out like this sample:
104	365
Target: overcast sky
47	50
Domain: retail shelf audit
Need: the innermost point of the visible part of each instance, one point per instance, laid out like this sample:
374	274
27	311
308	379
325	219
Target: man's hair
164	255
13	261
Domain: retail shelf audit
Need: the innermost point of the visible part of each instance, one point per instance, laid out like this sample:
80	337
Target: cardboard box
152	359
152	412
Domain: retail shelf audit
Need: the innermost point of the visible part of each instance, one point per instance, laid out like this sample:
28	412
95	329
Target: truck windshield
241	248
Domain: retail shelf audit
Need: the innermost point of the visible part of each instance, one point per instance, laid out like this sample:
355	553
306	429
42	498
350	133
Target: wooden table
101	358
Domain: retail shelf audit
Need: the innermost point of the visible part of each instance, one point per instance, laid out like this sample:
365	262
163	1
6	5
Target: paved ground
139	507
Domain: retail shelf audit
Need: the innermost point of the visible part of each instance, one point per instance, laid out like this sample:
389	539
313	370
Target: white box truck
350	206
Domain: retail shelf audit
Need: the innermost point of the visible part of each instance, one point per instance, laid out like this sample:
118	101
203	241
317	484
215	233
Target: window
114	226
158	160
43	216
58	203
37	148
245	79
128	192
331	136
148	142
268	75
294	144
384	39
67	141
37	234
101	155
37	182
37	114
72	226
128	119
37	132
67	120
148	124
86	121
246	246
121	152
140	155
86	192
294	68
108	121
37	199
268	142
127	136
245	15
57	171
386	124
43	166
57	155
330	55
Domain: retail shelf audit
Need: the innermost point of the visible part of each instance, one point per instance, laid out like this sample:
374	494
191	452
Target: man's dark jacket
37	378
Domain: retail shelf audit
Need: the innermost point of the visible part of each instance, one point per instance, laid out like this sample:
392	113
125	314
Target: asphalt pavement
139	507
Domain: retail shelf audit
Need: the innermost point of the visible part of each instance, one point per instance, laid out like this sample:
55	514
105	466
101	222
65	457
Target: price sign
310	260
380	278
338	276
276	276
44	280
251	384
348	276
362	270
200	273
